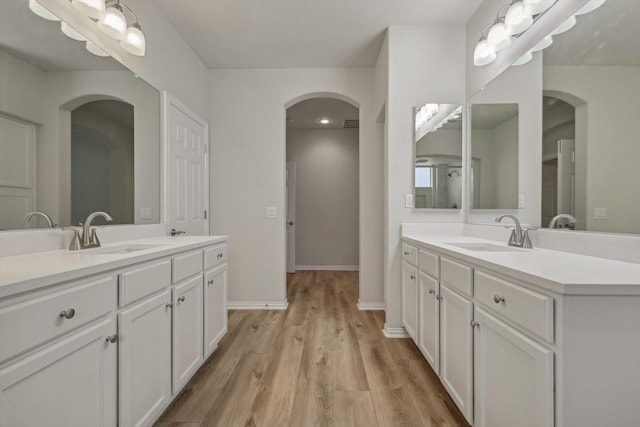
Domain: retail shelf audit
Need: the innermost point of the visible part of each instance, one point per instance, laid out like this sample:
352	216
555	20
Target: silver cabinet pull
68	314
474	324
210	282
219	256
439	298
181	299
112	338
407	253
413	277
431	291
169	305
498	299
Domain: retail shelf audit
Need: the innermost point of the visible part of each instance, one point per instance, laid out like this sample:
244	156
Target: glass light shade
590	7
95	49
499	36
70	32
113	23
565	26
92	8
524	59
518	18
538	6
543	44
484	53
134	41
42	11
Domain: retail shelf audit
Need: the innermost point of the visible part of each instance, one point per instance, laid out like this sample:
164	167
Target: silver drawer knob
219	256
169	305
407	253
474	324
181	299
210	282
498	299
112	338
68	314
413	277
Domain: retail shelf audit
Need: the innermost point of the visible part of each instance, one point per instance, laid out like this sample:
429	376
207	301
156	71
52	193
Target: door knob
290	223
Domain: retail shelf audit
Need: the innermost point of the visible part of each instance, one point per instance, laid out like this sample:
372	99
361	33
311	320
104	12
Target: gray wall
326	196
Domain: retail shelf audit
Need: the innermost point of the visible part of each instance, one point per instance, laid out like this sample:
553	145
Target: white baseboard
364	306
257	305
394	332
328	267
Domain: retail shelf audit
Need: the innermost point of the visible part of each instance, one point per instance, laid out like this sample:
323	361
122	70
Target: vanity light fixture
524	59
92	8
91	47
565	26
113	23
590	7
70	32
519	17
42	11
499	35
543	44
538	6
484	53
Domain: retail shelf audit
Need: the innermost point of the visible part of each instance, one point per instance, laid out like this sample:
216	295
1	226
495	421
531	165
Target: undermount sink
124	249
484	247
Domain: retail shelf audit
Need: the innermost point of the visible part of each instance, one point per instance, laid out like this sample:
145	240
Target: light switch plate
600	213
146	213
520	201
271	212
408	200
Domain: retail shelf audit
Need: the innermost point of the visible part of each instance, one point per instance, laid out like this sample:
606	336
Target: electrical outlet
520	201
408	200
271	212
600	213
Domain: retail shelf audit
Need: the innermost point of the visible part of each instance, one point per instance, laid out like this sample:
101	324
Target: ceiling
301	33
488	116
607	36
305	114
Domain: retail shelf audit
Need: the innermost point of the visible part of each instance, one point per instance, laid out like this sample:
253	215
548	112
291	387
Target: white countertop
24	273
557	271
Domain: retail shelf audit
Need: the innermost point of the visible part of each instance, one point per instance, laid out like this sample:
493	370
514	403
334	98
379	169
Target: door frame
291	230
168	100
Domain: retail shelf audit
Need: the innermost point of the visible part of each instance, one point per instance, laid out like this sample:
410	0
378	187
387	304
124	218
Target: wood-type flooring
322	362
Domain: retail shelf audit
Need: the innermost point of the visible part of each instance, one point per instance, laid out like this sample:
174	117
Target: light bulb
524	59
590	7
484	53
565	26
134	41
95	49
518	17
499	36
92	8
70	32
538	6
543	44
113	23
42	11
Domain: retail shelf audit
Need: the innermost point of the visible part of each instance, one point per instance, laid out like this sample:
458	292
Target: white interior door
291	217
188	174
566	176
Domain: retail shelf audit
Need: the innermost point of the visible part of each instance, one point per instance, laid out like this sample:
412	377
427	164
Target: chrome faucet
554	222
519	236
86	237
47	218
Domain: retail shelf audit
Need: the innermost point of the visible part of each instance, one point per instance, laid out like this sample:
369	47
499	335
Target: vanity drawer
529	309
186	265
26	325
429	263
146	279
215	255
410	254
456	275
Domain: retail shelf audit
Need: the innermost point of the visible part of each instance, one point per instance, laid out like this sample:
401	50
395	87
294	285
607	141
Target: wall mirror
438	156
494	152
591	100
78	132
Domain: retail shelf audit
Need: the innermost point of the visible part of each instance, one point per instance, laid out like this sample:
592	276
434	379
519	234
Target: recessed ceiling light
324	121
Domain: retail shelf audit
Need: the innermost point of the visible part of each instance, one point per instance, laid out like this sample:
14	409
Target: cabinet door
456	349
70	383
187	331
429	327
145	360
215	308
513	377
410	299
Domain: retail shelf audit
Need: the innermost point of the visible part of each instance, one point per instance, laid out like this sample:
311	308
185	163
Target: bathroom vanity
525	337
108	336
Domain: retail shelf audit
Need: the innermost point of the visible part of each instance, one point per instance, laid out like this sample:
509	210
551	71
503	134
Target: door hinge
205	214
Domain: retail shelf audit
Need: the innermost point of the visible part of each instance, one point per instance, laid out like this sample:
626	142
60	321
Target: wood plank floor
322	362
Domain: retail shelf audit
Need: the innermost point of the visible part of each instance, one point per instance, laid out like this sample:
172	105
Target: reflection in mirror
591	99
78	133
438	156
494	153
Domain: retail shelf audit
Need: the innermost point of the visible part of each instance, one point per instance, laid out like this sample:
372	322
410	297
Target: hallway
322	362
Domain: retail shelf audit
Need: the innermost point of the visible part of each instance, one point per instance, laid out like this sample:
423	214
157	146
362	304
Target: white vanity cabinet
215	307
429	320
410	290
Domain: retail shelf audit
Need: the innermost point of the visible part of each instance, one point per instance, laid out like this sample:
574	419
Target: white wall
426	64
326	196
248	173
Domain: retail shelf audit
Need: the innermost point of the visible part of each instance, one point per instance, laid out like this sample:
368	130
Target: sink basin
485	247
124	249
